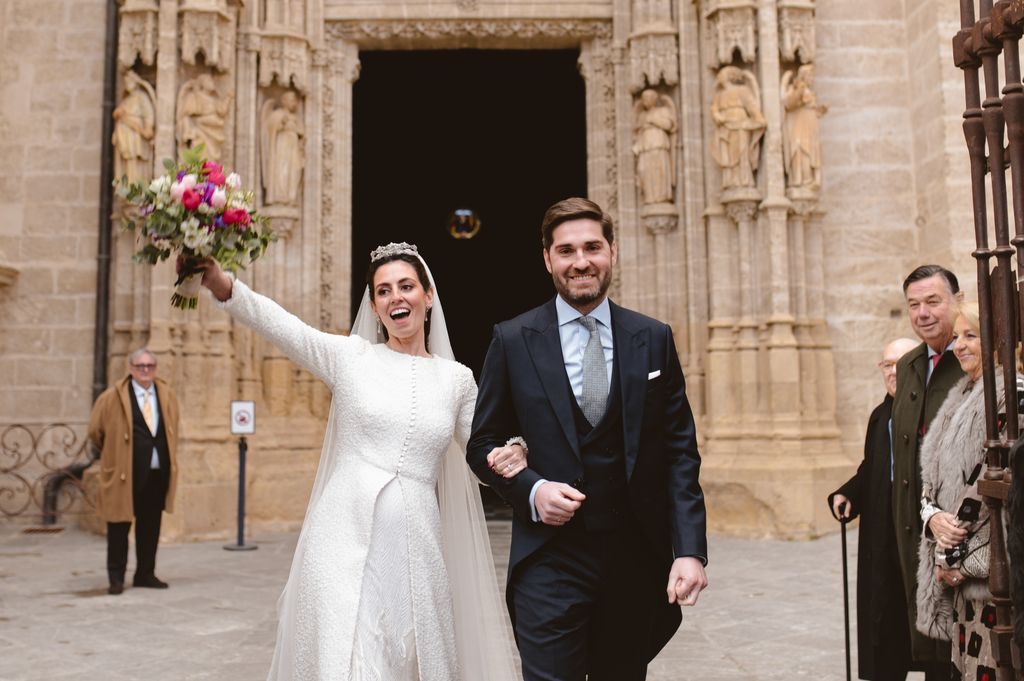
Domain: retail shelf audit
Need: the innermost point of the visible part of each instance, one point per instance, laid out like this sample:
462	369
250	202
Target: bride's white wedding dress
368	597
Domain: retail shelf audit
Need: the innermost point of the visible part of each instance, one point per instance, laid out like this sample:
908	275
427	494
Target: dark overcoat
878	578
915	405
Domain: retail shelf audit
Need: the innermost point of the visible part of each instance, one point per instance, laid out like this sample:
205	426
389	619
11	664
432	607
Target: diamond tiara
392	249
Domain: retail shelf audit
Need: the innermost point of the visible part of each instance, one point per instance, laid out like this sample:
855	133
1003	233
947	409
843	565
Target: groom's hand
686	580
557	502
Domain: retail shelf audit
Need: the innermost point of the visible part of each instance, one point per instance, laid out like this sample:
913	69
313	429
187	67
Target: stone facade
775	248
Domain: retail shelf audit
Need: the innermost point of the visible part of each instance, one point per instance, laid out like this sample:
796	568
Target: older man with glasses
134	425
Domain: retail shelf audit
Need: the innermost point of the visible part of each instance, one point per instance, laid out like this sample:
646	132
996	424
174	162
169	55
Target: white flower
189	181
219	198
190	226
234	181
177	189
160	184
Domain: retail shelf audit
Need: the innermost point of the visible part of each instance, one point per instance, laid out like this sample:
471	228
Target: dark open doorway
499	132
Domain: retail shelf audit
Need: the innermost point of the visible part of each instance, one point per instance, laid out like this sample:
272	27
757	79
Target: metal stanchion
243	446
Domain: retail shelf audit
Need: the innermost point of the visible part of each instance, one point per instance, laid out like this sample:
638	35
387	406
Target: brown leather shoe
150	582
115	589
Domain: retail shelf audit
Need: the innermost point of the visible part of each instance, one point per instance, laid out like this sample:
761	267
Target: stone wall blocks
33	12
70	340
85	309
878	10
77	281
81	43
41	281
37	249
30	403
44	372
49	159
33	342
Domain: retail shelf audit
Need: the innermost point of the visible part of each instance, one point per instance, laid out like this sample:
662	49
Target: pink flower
219	198
189	181
237	216
177	189
216	177
191	199
210	167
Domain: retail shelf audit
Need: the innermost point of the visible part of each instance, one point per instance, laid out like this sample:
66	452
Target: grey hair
134	357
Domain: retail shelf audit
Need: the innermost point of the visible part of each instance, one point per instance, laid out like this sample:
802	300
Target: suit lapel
633	360
545	347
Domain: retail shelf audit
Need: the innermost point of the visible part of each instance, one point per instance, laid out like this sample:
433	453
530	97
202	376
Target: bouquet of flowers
195	211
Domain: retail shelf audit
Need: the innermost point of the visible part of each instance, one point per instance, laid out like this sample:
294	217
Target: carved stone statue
281	149
739	126
133	130
801	139
202	112
654	146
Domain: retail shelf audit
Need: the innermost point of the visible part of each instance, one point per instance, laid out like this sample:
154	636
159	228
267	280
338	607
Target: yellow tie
147	413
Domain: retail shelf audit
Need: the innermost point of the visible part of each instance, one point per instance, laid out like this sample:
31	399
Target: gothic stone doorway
501	132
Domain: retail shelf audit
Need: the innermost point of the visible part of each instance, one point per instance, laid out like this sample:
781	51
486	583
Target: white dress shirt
574	338
142	395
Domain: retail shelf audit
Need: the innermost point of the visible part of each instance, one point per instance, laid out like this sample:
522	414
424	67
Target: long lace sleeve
467	405
314	350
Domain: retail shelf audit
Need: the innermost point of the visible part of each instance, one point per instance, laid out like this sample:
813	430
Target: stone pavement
773	611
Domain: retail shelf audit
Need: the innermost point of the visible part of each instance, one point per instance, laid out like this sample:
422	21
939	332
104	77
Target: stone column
783	366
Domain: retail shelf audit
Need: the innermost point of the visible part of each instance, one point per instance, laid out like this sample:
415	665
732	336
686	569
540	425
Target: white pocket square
654	374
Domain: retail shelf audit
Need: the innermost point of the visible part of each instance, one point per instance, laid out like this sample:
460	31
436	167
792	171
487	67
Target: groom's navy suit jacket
524	391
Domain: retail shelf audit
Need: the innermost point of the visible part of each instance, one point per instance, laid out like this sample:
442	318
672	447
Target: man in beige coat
134	425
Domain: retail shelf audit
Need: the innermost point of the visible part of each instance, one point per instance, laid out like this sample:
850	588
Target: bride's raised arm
316	351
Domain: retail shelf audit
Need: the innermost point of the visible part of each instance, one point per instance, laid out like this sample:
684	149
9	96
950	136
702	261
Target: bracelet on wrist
517	440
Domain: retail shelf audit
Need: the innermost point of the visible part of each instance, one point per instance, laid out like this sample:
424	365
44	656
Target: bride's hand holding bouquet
195	212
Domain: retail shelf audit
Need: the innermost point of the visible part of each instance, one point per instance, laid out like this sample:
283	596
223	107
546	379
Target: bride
392	578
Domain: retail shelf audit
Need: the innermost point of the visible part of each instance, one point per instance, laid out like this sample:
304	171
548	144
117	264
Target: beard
584	296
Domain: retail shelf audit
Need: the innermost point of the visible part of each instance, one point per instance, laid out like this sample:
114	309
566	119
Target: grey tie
595	375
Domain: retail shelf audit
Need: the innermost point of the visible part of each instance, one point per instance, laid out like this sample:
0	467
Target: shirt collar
567	313
139	390
931	352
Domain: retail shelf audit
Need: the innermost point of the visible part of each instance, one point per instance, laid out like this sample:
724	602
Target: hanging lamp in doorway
463	223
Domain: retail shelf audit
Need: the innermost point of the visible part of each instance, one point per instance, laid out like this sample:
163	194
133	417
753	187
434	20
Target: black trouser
586	605
148	508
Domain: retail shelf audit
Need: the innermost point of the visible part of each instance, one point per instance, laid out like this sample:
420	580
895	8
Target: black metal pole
100	342
846	598
243	447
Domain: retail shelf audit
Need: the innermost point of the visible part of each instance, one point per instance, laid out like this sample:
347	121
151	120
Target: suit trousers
586	605
148	507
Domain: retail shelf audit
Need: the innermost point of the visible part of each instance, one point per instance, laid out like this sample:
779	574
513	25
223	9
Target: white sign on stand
243	417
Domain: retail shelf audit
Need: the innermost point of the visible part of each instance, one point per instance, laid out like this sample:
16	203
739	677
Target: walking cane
846	588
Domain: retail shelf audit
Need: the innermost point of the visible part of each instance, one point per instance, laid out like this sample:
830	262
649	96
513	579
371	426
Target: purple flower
218	223
181	174
146	210
208	192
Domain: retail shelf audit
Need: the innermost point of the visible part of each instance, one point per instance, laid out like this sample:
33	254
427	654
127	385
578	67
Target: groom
608	537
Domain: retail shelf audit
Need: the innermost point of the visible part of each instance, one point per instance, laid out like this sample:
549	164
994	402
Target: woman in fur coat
953	600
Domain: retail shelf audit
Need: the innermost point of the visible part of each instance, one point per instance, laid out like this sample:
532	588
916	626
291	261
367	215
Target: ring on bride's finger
509	467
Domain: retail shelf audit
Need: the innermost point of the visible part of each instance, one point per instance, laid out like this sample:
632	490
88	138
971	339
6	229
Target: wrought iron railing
987	46
41	471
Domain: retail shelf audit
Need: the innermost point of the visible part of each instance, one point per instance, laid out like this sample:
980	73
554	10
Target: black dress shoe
150	582
115	588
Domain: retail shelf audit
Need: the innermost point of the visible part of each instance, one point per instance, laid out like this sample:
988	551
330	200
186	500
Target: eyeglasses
145	367
887	366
